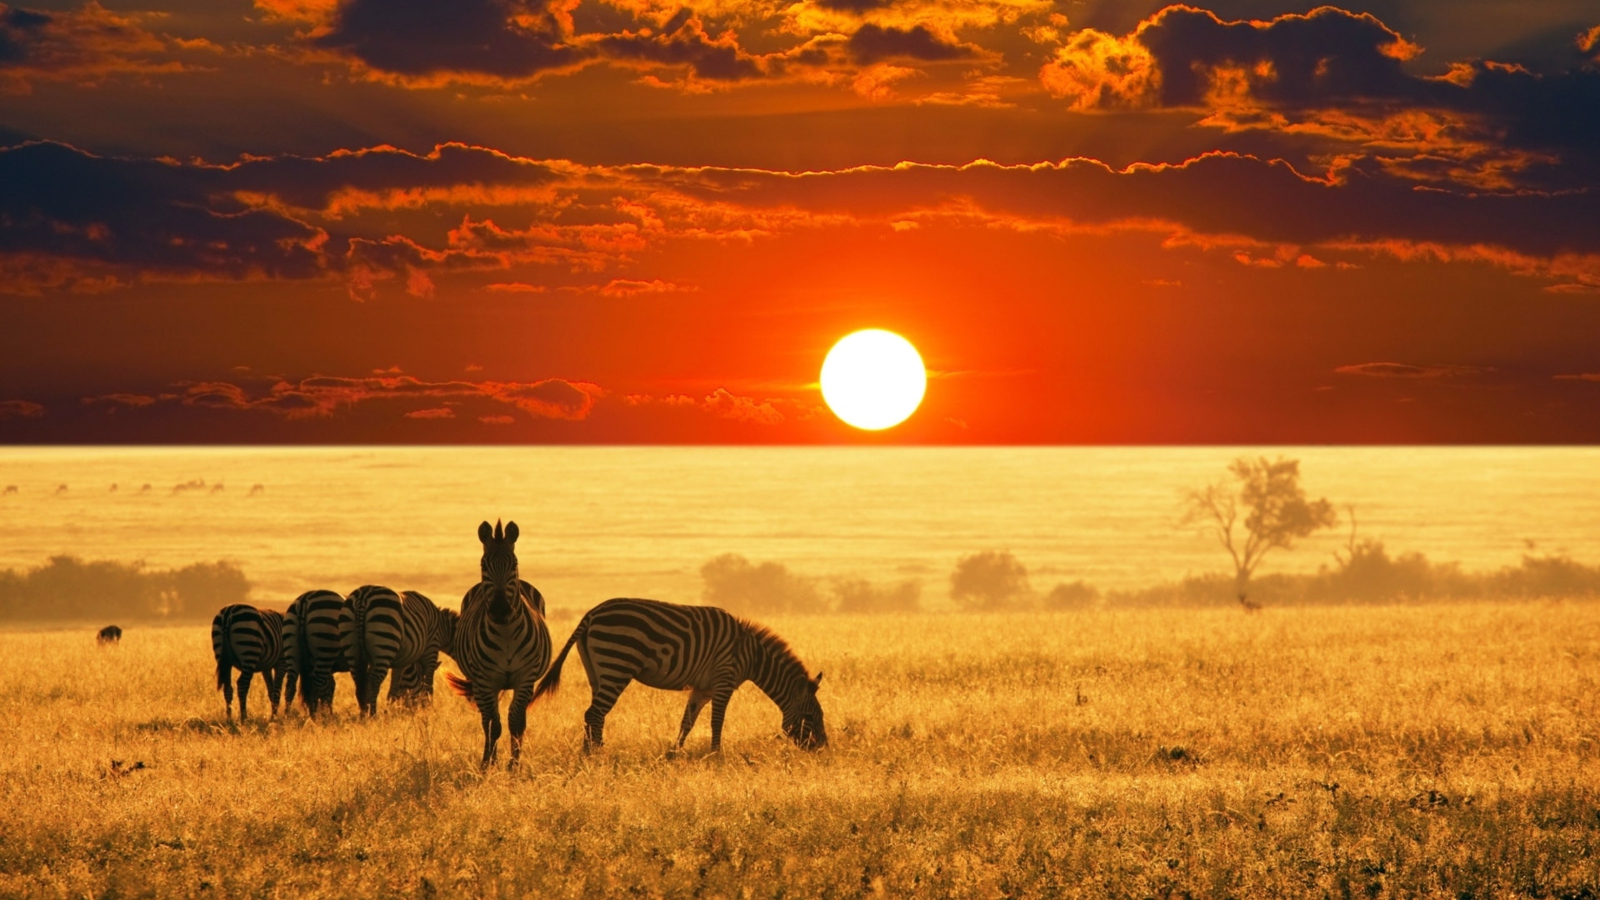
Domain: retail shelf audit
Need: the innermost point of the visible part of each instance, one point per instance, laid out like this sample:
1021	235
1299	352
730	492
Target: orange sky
490	221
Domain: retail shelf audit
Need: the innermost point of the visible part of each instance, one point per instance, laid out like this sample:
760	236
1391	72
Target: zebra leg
691	712
274	689
602	698
517	718
244	692
226	681
719	707
375	676
291	678
489	709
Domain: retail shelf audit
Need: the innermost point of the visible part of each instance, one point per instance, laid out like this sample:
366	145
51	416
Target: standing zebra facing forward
501	642
704	650
311	636
382	631
250	640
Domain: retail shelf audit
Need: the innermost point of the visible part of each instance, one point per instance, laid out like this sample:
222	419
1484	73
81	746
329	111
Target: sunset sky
630	221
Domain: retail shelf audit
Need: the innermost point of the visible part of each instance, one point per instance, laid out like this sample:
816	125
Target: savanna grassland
1435	750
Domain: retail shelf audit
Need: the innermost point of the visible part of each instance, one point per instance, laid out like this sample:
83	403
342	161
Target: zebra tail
225	658
551	682
462	686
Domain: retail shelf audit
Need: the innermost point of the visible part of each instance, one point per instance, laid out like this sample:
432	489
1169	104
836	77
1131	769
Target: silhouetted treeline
1369	574
67	588
996	581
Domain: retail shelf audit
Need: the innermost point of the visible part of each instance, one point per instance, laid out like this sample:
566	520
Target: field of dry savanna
1434	751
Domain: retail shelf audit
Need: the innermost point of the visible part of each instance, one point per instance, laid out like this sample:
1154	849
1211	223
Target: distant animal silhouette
61	489
191	485
217	488
113	488
702	649
382	631
250	640
144	489
11	489
256	489
110	634
501	640
312	646
1250	606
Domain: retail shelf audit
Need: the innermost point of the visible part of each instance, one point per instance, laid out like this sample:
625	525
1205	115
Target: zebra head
802	718
499	568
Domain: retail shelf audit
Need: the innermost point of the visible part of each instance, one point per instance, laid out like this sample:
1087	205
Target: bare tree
1276	514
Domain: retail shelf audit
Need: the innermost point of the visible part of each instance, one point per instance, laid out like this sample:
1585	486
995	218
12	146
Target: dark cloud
322	396
112	217
77	45
20	409
684	42
157	217
1342	76
1402	370
872	43
854	6
504	39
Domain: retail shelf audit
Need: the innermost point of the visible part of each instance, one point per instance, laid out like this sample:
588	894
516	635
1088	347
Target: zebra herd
500	642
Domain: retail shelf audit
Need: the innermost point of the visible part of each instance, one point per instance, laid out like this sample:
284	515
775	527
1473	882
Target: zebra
702	649
381	630
250	640
311	638
501	641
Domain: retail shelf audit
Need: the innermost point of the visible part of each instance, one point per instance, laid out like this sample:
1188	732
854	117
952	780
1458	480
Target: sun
873	379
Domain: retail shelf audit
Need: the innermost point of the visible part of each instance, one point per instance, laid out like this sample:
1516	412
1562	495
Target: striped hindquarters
312	623
247	639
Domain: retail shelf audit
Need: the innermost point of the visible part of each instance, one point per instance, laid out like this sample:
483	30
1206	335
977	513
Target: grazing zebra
250	640
110	634
702	649
501	642
311	637
381	631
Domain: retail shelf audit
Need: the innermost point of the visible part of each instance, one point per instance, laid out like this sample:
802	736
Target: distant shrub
857	595
67	588
1077	595
735	584
991	580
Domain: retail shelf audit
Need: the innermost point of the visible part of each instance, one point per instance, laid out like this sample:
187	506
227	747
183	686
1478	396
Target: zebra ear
511	532
484	533
499	535
816	683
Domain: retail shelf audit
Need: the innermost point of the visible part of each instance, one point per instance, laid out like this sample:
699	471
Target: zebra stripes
702	649
382	631
311	630
250	640
501	642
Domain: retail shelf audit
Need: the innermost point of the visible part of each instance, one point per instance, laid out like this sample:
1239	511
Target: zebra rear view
702	649
250	640
312	646
383	631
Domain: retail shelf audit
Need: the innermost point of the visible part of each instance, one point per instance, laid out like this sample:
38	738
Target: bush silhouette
991	580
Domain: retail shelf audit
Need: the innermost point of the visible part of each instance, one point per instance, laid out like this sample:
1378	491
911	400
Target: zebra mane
774	644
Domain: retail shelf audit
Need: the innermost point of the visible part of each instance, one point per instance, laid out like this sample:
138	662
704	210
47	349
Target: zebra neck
776	672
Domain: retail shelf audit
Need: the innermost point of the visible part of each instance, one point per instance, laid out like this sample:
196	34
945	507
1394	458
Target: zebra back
311	629
246	638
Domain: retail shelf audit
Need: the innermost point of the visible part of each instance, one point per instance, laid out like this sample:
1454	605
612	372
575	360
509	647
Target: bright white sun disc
873	379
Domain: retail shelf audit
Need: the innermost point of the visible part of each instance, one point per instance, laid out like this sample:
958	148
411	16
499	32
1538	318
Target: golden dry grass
1442	751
